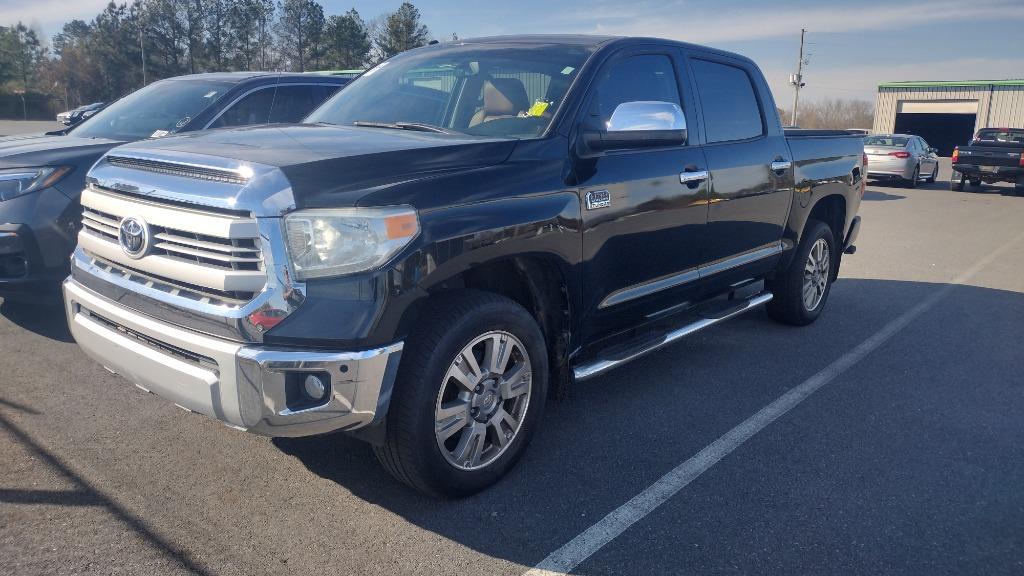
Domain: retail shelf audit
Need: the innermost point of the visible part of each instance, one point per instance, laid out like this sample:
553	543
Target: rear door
643	227
751	171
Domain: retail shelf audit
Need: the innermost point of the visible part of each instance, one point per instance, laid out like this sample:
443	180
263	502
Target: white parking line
577	550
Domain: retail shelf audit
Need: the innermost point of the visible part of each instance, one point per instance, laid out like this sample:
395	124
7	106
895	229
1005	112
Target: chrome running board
599	366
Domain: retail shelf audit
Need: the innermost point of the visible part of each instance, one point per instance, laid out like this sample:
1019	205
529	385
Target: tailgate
989	156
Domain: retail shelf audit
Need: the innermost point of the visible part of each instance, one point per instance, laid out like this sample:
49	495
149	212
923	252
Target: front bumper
244	386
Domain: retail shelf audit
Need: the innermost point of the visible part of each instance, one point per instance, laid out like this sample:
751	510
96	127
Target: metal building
948	113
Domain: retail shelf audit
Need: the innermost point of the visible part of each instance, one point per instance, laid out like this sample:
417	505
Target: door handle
781	165
693	178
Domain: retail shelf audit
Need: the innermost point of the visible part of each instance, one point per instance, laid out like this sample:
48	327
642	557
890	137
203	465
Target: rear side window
254	108
641	78
728	100
293	103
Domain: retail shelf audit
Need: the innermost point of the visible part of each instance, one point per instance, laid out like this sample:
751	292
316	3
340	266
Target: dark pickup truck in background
463	229
41	176
995	155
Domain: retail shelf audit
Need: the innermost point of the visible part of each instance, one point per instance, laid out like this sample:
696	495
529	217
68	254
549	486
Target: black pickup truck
464	229
994	155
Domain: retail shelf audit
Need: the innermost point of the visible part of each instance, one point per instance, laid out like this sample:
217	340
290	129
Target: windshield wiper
415	126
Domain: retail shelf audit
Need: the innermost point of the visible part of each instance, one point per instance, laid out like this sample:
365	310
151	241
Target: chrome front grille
207	254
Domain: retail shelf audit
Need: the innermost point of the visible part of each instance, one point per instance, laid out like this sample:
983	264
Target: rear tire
811	269
914	178
957	181
442	396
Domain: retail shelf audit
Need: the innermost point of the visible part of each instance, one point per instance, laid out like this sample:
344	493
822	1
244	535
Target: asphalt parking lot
16	127
899	449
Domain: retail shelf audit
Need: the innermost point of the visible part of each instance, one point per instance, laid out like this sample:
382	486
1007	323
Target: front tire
470	392
801	290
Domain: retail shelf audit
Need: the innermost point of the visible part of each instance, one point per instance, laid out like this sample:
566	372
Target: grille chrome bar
209	251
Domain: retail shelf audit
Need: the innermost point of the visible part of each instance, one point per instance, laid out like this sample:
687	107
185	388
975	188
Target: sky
853	45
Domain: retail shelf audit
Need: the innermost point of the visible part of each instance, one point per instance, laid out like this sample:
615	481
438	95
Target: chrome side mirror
633	125
647	115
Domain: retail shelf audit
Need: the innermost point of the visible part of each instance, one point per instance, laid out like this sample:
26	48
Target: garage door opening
943	131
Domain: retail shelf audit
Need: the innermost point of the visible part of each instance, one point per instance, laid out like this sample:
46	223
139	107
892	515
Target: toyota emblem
134	237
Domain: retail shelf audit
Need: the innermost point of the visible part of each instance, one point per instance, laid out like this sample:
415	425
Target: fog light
315	387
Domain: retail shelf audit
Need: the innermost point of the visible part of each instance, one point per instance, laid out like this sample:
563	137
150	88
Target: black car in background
42	176
76	115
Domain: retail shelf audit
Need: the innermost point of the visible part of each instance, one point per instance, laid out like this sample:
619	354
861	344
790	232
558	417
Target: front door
643	227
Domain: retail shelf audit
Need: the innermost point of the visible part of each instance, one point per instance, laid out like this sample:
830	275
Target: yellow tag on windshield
538	108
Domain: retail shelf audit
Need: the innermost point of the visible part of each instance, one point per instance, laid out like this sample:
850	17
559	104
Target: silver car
901	157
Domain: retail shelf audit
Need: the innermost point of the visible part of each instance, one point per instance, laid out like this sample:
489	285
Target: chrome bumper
242	386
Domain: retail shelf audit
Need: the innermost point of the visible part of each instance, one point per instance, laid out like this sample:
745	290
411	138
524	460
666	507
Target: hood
324	162
43	150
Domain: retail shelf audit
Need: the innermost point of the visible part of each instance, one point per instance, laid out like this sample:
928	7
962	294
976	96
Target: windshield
896	141
499	90
159	109
1001	135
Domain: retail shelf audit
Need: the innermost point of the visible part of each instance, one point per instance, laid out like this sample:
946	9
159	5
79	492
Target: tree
300	32
833	114
20	55
114	46
400	31
192	17
164	37
248	23
216	32
348	41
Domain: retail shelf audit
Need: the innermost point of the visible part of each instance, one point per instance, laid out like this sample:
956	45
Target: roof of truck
236	77
592	41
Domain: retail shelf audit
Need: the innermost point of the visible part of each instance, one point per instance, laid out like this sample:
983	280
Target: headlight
16	182
347	240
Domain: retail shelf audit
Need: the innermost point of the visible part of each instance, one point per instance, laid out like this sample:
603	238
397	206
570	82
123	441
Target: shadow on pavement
45	318
84	494
879	196
615	435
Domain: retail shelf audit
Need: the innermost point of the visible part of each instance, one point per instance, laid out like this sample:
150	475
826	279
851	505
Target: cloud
49	14
701	23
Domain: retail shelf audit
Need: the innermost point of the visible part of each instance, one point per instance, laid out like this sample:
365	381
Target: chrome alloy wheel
483	400
816	274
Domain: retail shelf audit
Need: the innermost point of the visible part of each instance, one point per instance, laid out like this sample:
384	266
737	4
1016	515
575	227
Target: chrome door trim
766	251
647	288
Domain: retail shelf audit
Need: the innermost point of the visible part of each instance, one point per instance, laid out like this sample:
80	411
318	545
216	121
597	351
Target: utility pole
797	80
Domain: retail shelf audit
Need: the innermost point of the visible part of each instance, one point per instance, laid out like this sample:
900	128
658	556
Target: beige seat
503	98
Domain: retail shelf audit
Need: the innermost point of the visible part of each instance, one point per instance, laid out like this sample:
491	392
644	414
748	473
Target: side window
293	103
729	102
253	108
641	78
